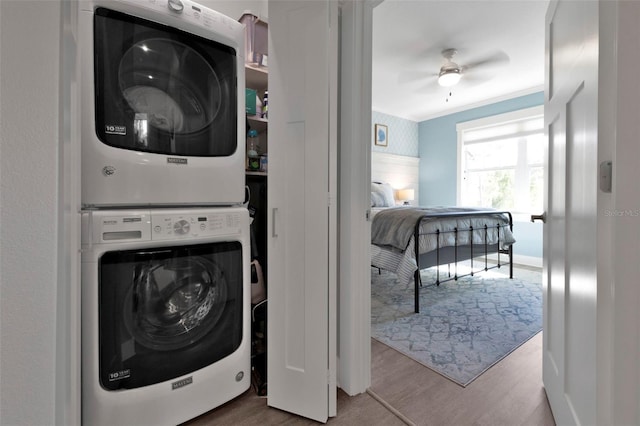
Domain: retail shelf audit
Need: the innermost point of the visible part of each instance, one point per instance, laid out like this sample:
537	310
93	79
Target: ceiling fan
451	73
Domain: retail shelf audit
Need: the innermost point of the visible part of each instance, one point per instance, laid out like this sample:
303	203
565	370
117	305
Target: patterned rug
464	327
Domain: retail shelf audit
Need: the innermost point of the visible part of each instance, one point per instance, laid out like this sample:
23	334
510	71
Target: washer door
167	312
161	90
175	302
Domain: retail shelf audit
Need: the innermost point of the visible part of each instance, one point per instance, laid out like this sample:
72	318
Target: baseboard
532	261
535	262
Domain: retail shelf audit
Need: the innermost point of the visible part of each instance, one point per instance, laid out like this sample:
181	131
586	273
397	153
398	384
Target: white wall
400	171
29	64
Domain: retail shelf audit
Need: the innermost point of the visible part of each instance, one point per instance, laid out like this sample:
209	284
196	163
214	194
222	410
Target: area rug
464	327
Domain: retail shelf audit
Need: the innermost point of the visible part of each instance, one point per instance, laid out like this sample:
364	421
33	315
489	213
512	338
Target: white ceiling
409	35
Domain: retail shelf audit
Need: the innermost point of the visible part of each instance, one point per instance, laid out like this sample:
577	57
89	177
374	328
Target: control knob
176	6
181	227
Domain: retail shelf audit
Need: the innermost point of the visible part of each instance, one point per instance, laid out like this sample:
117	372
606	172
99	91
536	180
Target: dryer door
167	312
161	90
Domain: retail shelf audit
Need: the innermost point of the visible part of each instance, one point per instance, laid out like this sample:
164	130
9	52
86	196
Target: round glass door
162	90
160	80
175	302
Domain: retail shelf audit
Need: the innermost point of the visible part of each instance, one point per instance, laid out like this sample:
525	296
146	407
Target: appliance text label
113	129
173	160
119	375
182	383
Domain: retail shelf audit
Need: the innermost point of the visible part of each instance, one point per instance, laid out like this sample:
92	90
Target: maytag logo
173	160
182	383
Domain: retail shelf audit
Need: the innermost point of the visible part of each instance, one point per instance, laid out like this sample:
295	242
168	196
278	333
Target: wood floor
509	394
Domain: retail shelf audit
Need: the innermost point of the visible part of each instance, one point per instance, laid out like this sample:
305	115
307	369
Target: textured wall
29	82
402	134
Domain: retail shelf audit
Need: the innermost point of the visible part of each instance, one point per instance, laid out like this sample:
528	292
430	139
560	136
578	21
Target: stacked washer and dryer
165	236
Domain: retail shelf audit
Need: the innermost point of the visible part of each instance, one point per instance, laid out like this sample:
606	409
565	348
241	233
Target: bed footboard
474	252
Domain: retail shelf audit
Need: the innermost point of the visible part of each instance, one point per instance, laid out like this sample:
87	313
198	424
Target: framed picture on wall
381	136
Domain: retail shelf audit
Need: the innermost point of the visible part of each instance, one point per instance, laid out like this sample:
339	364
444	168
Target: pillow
385	191
377	200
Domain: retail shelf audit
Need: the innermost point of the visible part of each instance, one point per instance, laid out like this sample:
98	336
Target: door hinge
367	215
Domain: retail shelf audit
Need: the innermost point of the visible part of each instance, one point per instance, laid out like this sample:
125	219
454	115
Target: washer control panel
195	224
143	225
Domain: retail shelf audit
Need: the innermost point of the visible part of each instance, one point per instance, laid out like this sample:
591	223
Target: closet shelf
256	77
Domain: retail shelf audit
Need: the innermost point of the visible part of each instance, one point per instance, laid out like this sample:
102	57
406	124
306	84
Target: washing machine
162	104
165	313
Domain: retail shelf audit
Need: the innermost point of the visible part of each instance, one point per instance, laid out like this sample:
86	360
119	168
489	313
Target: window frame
498	119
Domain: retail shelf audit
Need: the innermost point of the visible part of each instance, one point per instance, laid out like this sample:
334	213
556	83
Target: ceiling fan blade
476	78
496	58
408	77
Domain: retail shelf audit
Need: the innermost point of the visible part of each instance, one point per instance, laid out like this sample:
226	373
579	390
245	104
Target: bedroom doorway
443	164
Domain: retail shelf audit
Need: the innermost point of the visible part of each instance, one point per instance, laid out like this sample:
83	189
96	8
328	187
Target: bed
446	235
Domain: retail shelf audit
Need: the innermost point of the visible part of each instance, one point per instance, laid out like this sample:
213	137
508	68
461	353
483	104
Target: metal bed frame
458	253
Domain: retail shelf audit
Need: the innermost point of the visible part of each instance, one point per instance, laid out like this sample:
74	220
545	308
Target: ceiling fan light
449	78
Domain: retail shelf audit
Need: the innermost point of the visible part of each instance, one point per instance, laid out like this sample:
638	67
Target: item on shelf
255	41
264	163
258	291
253	159
250	102
258	112
265	105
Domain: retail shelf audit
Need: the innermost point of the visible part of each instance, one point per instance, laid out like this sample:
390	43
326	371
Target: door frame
354	279
618	292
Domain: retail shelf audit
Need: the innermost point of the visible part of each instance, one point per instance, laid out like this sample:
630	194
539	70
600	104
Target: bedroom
421	120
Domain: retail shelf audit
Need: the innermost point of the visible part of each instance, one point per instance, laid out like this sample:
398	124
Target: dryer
162	104
165	313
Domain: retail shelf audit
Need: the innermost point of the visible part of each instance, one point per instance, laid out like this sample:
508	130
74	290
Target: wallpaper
402	135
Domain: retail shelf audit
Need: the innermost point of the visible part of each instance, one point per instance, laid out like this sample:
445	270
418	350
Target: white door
570	255
301	321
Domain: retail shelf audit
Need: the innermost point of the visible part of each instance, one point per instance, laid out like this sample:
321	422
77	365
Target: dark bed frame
458	253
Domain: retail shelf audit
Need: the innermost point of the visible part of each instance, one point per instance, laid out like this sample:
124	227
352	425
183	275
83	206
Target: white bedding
402	263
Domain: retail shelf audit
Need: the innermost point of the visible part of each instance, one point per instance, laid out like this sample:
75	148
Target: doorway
438	172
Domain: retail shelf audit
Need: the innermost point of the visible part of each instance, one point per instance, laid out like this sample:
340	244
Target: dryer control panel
186	15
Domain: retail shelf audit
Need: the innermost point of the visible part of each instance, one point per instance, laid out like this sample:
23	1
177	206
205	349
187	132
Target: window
501	162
